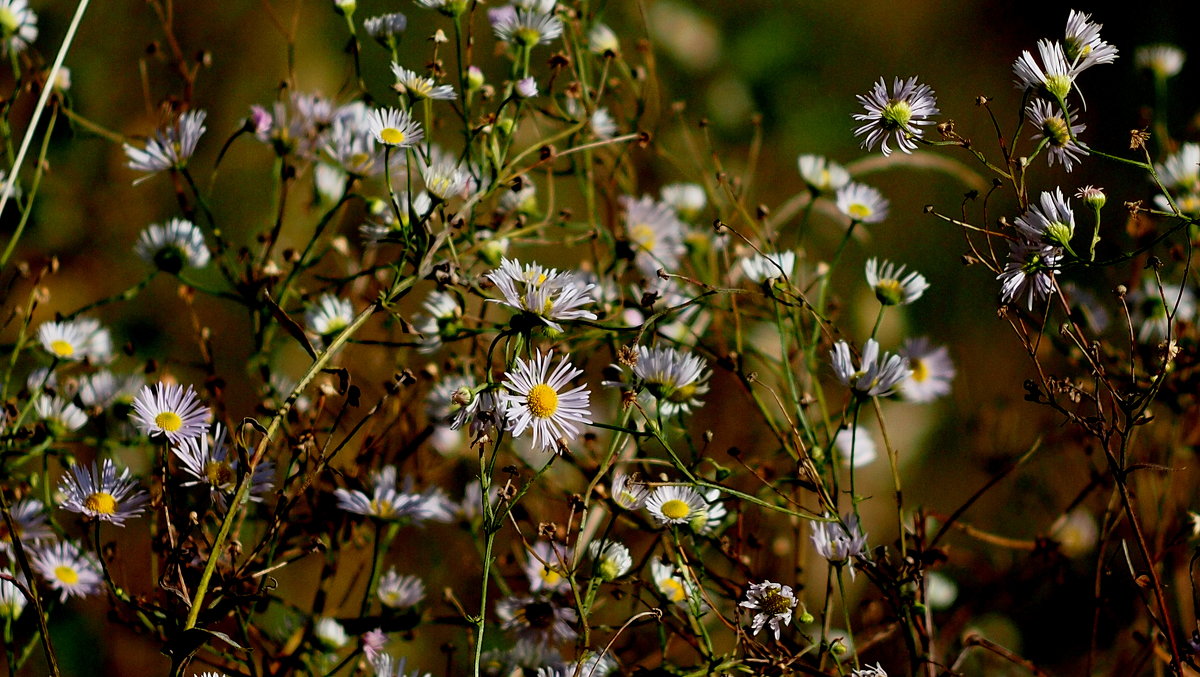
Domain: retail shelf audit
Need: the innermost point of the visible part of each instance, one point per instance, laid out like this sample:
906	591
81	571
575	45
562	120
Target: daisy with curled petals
762	267
675	504
870	671
932	370
75	340
444	178
386	666
676	379
71	572
821	174
400	592
839	541
171	146
891	286
1050	221
60	414
100	493
1052	126
418	87
546	293
393	501
329	315
29	520
394	128
12	600
1053	76
862	203
1029	272
612	561
173	246
167	410
628	492
899	115
773	604
1082	43
211	462
875	376
537	400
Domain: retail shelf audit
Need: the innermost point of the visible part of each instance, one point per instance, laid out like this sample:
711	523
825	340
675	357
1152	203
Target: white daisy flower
385	28
12	600
602	40
688	199
899	115
762	267
1150	309
390	501
862	203
396	128
537	619
171	146
932	370
450	8
612	561
676	379
870	671
167	410
546	293
526	88
18	26
212	462
329	315
330	633
1054	76
672	584
1050	221
839	542
709	520
1082	43
546	568
856	444
29	520
104	389
400	592
773	604
75	340
1181	171
602	124
525	27
537	400
1162	60
59	413
176	245
890	284
877	375
672	504
628	492
351	144
444	178
100	493
1048	120
821	174
67	570
1028	272
385	666
655	233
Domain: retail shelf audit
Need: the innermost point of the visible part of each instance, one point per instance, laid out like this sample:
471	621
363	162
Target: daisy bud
1092	196
474	78
346	7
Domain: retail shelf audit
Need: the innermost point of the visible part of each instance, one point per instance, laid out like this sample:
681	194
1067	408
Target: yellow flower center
674	590
889	292
101	503
62	348
774	603
542	401
609	569
218	473
859	211
392	136
551	577
643	236
66	574
920	371
383	509
8	22
168	421
676	509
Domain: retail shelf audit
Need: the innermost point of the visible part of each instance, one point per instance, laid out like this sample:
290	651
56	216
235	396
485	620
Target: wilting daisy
75	340
537	619
1053	76
171	146
388	500
400	592
612	561
628	492
526	27
396	128
862	203
100	493
545	567
870	671
762	267
932	370
899	115
549	294
59	413
876	375
891	285
655	233
1028	273
537	400
855	446
29	520
385	28
773	604
839	542
12	600
1082	43
673	584
1162	60
212	462
329	315
67	570
676	379
167	410
672	504
1061	145
18	26
821	174
176	245
688	199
